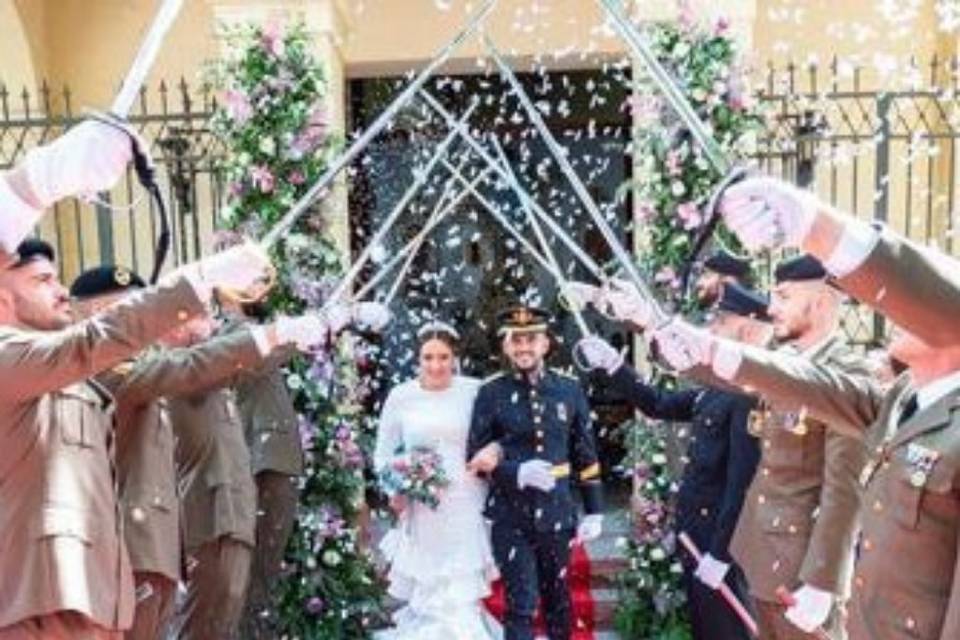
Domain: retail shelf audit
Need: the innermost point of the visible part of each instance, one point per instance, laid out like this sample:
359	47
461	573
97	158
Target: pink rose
689	215
262	178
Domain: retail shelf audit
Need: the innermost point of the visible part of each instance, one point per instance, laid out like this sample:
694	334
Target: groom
539	421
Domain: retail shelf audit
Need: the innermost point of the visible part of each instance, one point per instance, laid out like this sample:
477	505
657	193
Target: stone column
327	25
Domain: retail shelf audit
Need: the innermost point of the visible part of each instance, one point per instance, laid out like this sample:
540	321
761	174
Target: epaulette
491	378
124	368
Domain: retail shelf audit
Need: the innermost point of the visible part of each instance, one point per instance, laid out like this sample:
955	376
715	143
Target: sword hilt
713	216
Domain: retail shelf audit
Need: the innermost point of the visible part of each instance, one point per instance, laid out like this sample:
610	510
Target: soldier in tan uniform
145	442
271	431
907	580
63	558
800	518
216	487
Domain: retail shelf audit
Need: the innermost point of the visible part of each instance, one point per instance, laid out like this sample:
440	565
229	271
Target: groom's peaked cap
103	280
522	319
799	269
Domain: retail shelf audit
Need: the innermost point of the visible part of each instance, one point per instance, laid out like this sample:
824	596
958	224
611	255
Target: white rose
658	554
331	558
268	146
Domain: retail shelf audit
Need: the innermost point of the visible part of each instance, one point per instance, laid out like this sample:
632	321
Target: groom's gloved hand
537	474
590	528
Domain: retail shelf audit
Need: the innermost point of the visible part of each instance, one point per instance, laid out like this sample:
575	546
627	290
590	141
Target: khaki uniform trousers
774	626
217	578
66	625
155	599
277	510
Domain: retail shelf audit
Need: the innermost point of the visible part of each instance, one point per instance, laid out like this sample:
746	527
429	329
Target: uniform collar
933	391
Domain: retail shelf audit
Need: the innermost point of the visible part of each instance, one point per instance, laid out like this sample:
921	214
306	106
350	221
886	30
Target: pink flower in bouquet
307	432
644	213
722	26
272	38
262	178
667	276
689	214
238	107
313	133
314	606
296	177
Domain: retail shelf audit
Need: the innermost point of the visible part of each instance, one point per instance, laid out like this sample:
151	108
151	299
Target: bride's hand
485	460
398	504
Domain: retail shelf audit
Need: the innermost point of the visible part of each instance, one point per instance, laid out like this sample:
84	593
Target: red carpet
583	618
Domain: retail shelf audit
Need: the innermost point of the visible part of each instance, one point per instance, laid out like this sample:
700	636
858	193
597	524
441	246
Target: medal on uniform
796	423
561	412
920	460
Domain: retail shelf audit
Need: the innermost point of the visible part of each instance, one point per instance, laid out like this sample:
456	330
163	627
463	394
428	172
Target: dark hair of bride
438	331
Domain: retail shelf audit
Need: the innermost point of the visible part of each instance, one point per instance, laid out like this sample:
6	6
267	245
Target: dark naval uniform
722	458
546	419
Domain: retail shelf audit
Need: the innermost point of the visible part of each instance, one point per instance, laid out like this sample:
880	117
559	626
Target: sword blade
669	87
146	56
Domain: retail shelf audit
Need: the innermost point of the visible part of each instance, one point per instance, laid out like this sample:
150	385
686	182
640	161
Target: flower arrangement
417	475
273	122
673	180
652	599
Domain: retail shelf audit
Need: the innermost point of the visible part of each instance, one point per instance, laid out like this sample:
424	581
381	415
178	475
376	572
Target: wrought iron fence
887	155
122	228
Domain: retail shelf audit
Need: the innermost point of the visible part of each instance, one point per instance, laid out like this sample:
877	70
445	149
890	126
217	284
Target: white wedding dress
441	563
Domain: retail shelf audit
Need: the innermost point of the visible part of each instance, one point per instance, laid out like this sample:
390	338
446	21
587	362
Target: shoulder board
495	376
124	368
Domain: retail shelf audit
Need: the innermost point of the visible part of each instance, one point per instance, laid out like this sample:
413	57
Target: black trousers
533	564
710	616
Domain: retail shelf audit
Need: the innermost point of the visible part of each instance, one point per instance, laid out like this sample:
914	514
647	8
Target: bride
441	560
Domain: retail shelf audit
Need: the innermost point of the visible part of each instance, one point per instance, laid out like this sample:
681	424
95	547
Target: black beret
743	302
799	268
727	264
522	319
105	279
33	249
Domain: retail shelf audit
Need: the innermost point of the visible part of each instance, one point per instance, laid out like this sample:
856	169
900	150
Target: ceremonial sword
120	109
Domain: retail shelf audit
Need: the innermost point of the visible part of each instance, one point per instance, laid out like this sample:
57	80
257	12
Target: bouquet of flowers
417	475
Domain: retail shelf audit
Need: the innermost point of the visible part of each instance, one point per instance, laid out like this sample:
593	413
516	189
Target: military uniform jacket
722	455
907	580
216	487
61	544
548	420
800	519
145	442
270	422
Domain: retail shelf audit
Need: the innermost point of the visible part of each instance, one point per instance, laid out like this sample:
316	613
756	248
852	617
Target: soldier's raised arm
35	361
839	396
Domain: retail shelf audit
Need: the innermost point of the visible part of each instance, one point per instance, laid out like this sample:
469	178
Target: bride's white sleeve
389	432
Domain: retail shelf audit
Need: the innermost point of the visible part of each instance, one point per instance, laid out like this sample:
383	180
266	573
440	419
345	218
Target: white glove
237	268
684	346
810	609
339	315
590	528
537	474
306	332
90	157
625	303
711	571
599	354
371	315
580	294
766	213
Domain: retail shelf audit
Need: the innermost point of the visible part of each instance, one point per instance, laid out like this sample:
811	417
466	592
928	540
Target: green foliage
273	120
673	180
